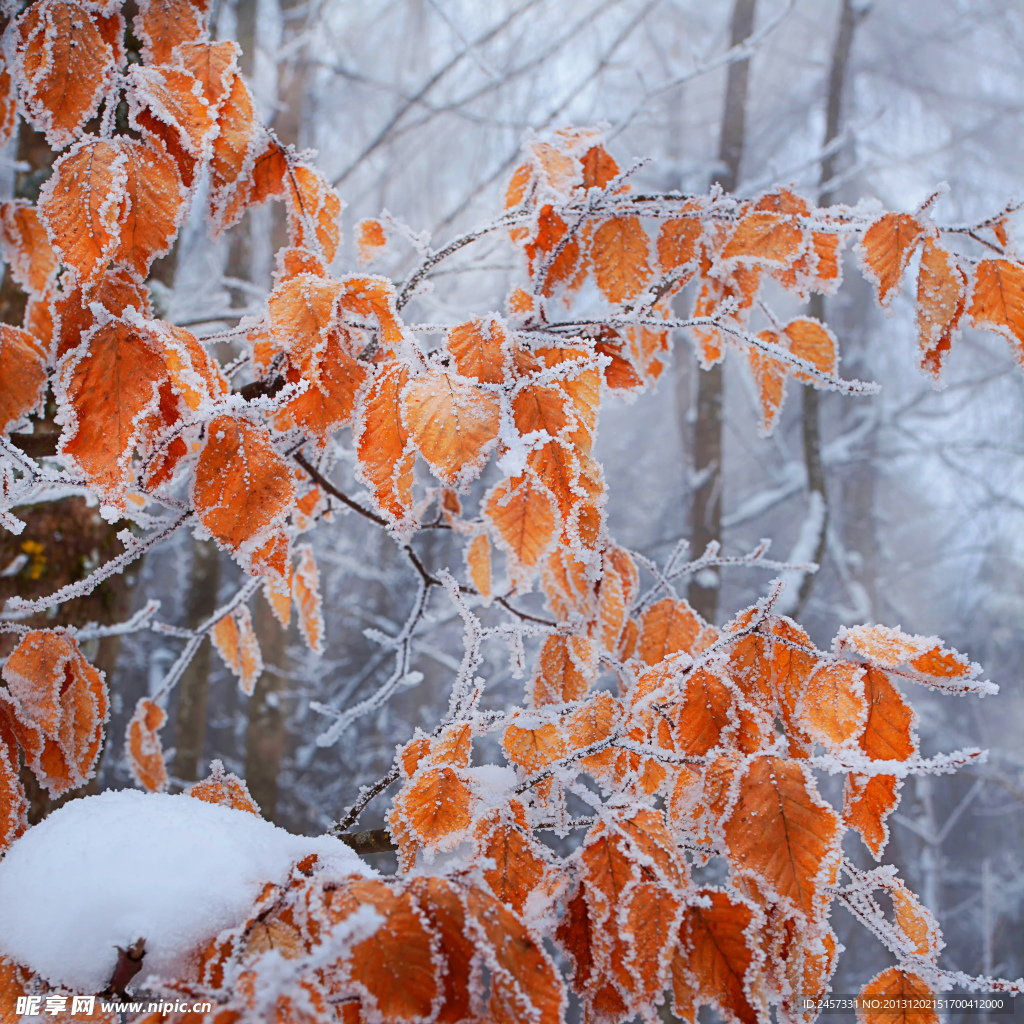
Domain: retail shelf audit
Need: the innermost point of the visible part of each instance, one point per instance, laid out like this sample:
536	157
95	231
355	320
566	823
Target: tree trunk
706	516
811	412
194	686
265	736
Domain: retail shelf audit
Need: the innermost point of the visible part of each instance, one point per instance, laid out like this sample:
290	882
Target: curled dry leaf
306	591
236	643
941	294
23	382
143	749
385	457
888	736
13	803
25	246
56	706
224	788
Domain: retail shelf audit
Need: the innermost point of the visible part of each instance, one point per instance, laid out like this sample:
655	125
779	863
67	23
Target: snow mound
104	871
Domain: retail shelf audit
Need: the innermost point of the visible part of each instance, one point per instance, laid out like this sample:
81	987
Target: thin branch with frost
135	548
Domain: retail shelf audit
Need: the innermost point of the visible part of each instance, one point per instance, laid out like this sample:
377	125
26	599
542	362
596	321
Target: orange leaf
522	513
479	350
26	247
998	300
224	788
13	804
155	206
114	291
525	983
236	643
371	240
812	340
669	626
704	715
306	588
518	862
161	25
435	805
565	670
924	657
782	834
620	250
442	905
769	382
59	706
716	961
886	250
302	316
105	388
888	736
677	242
396	969
63	64
243	489
164	105
534	748
833	707
385	460
143	750
212	65
372	300
941	294
905	998
314	210
23	383
8	106
764	237
915	921
452	423
478	559
83	202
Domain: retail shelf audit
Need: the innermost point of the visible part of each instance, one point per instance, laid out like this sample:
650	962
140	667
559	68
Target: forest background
420	107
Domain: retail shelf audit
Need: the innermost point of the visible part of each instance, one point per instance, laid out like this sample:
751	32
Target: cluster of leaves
688	743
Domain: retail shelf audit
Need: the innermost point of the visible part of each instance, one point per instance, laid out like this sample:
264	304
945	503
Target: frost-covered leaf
941	294
162	25
452	423
781	834
243	489
26	247
620	251
236	643
56	705
23	382
998	300
902	997
63	64
886	249
385	456
143	748
223	788
306	591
